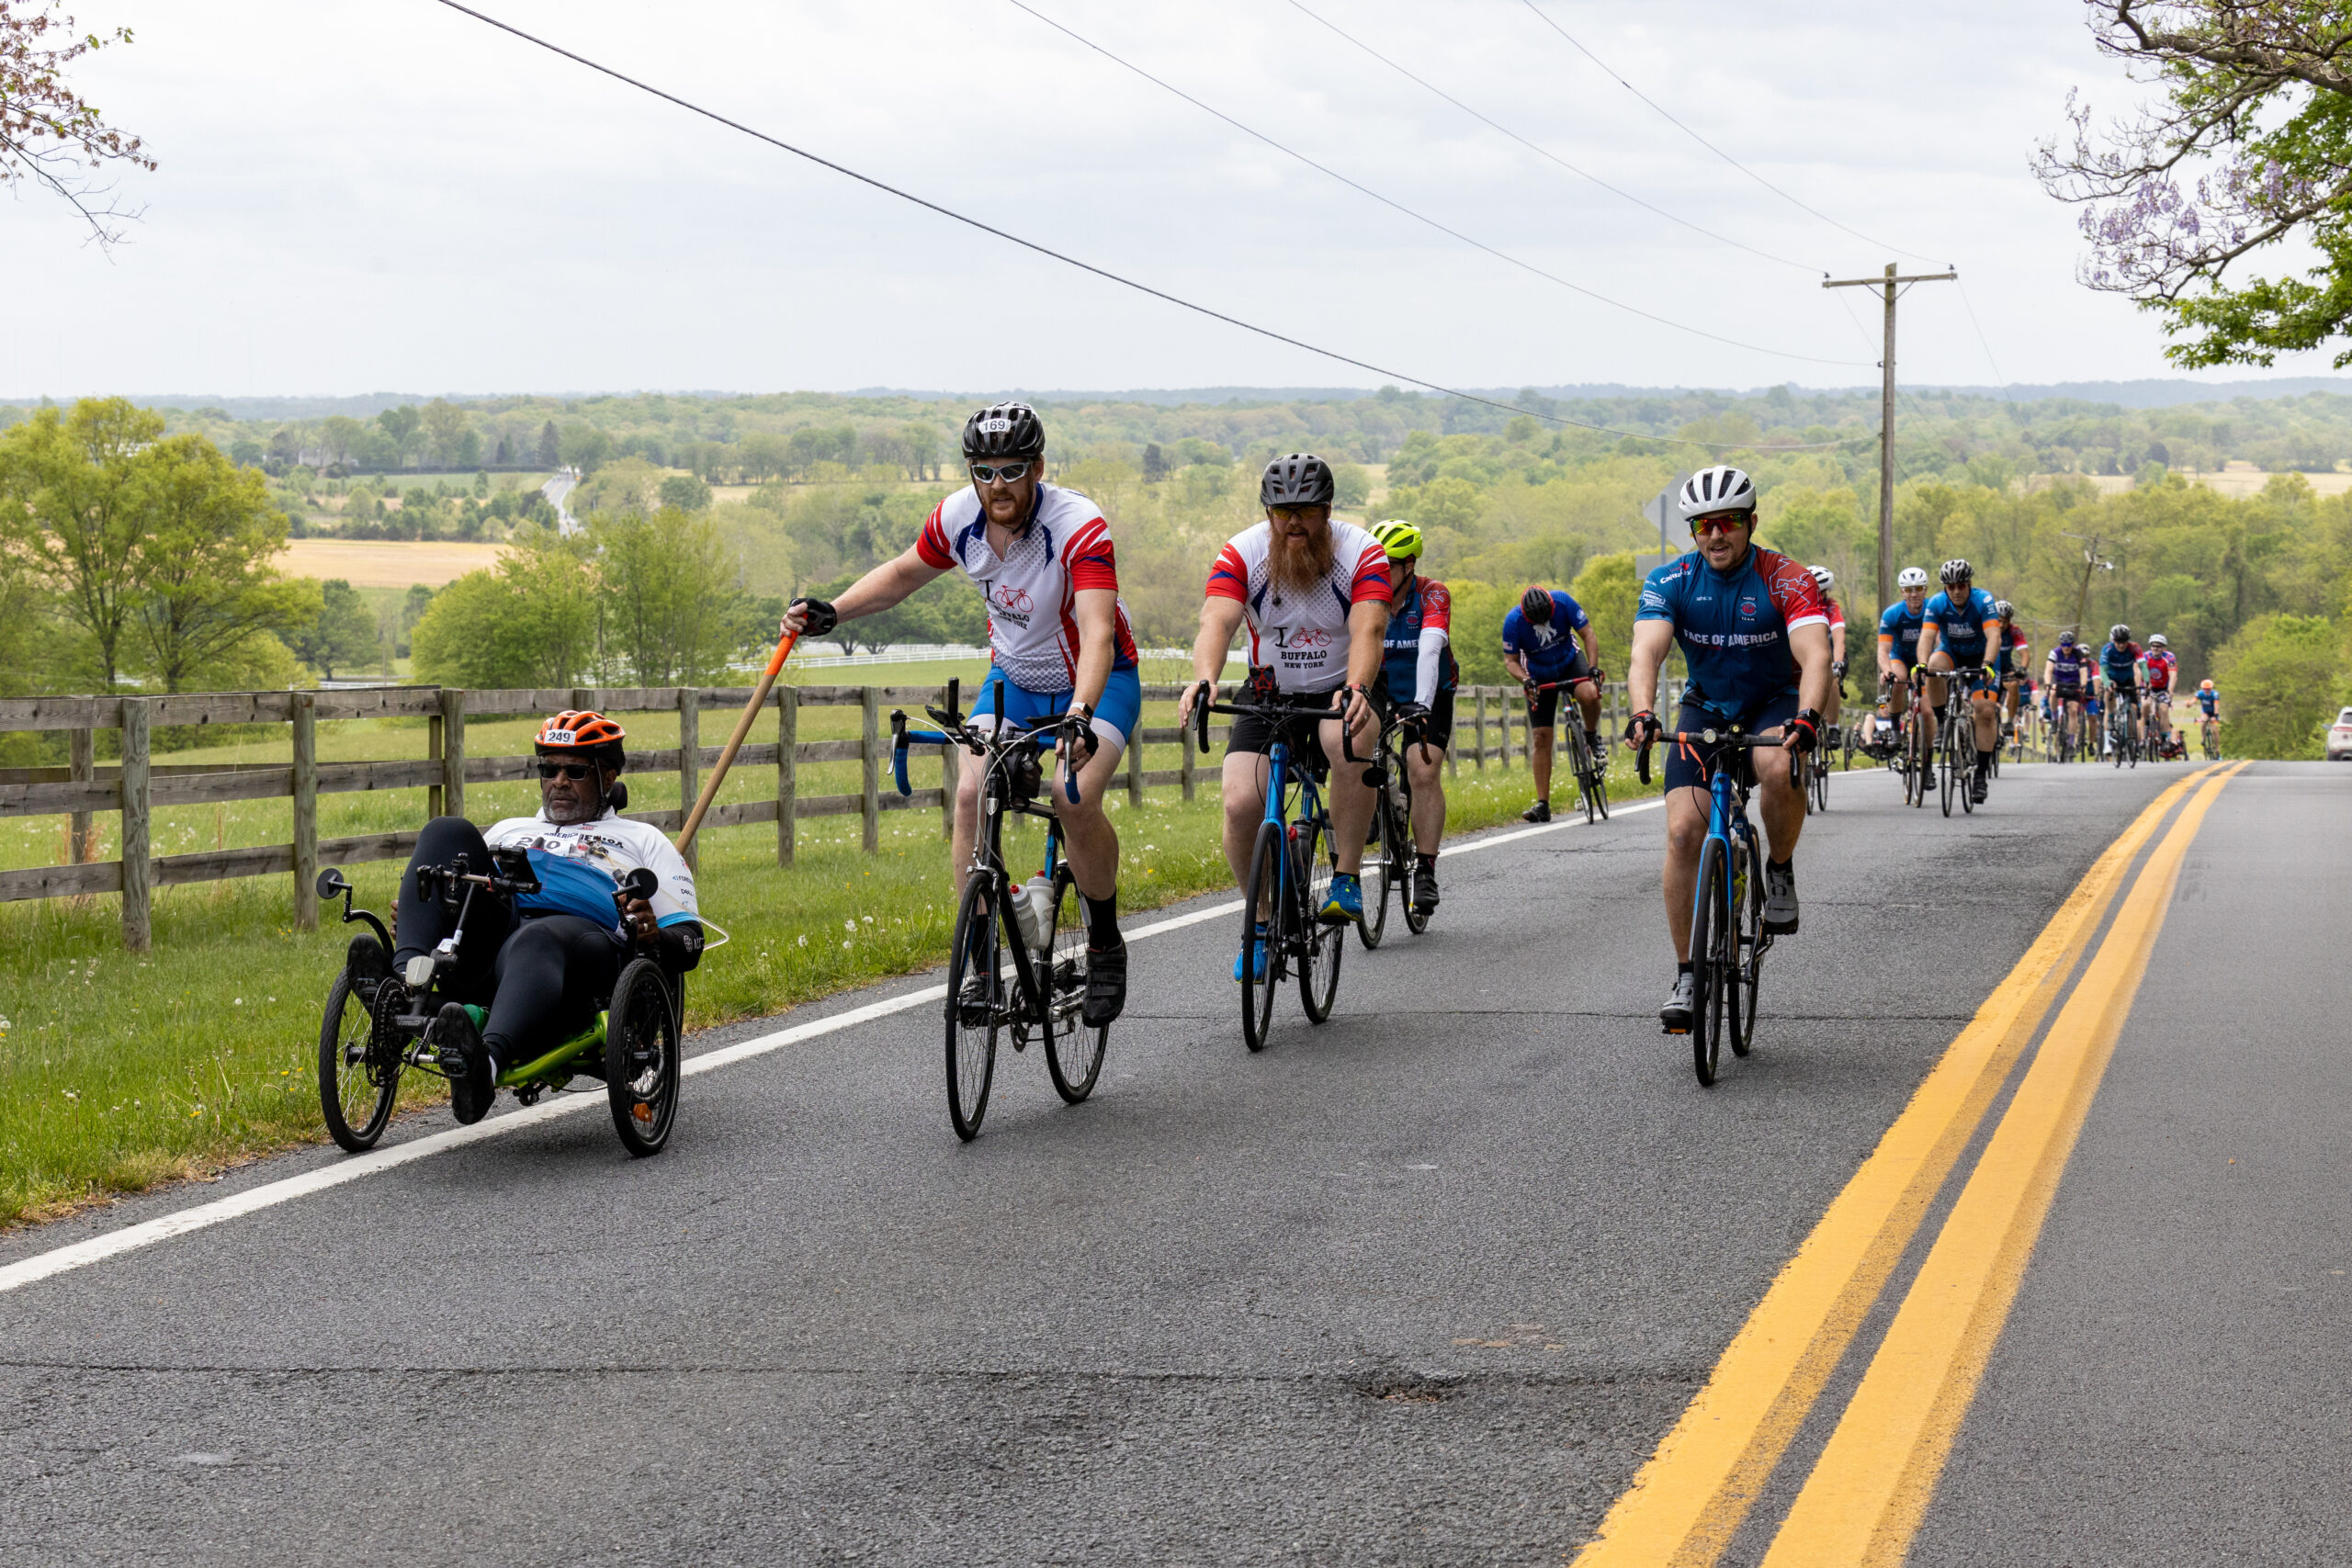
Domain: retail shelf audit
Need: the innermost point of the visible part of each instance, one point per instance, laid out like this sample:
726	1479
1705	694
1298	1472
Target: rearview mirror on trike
331	883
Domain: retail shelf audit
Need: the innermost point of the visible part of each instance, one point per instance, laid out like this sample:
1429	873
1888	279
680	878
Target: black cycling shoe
1676	1014
1425	887
457	1048
1106	985
1539	812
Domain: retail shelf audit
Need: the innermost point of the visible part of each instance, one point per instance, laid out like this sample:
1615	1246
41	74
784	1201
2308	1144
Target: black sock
1683	967
1427	863
1779	864
1101	922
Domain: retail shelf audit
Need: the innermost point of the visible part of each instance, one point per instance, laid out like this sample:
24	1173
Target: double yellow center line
1871	1486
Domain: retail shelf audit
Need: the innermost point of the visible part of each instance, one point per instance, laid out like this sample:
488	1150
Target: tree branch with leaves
49	134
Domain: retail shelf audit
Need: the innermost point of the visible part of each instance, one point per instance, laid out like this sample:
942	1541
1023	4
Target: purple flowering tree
2248	144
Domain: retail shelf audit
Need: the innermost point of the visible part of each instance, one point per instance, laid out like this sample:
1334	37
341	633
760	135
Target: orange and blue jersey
1903	623
1733	627
1959	624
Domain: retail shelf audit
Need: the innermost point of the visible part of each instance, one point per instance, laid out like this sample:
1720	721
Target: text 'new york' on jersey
1733	627
1301	634
1031	589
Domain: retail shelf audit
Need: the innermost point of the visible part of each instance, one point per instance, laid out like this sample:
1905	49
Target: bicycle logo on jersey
1012	601
1301	636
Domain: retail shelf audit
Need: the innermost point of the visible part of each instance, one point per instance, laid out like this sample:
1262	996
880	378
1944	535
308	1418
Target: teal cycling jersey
1902	622
1959	624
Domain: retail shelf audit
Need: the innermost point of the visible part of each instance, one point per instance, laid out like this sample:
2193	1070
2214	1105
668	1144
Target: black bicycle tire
1748	923
1258	996
1073	1079
1580	768
640	1002
979	896
342	997
1325	945
1706	1040
1375	923
1417	919
1945	772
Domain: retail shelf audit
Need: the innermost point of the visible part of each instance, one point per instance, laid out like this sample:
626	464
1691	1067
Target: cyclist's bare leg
1782	803
1686	829
1540	752
1988	722
1588	694
1243	779
1425	770
1352	799
1089	841
967	820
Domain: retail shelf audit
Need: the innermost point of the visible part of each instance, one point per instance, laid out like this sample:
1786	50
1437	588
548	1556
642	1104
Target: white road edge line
199	1217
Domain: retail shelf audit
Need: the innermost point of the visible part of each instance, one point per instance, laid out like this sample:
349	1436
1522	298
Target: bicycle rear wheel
1264	904
1819	767
1073	1051
1710	978
1748	945
973	1021
1323	945
1400	809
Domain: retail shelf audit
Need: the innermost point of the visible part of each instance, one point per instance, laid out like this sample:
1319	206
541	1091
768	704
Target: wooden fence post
81	757
1479	756
453	751
787	772
869	757
951	779
1184	768
689	761
433	754
304	715
138	867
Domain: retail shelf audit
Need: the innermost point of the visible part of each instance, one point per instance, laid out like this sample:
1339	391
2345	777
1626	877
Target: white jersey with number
580	865
1301	634
1033	588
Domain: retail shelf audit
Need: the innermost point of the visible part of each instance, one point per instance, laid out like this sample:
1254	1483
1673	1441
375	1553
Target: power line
1546	153
1985	342
1710	146
1104	272
1417	217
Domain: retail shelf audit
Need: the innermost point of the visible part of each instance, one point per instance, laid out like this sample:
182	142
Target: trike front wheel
641	1058
357	1082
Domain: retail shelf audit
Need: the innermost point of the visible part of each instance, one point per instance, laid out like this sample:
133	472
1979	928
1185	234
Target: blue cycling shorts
1114	717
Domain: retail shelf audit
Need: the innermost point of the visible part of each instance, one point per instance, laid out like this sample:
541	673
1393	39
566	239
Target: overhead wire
1442	228
1105	273
1542	151
1610	72
1981	340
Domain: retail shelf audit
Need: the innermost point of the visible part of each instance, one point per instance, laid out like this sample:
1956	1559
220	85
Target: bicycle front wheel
1400	809
1710	1009
1262	905
357	1082
1384	866
1948	759
1579	761
1073	1051
975	1006
1323	945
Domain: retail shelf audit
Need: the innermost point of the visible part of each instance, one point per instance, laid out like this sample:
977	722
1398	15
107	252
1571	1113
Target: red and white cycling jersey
1300	636
1033	589
2161	662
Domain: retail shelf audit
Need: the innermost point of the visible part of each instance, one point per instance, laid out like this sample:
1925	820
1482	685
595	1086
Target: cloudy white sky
356	196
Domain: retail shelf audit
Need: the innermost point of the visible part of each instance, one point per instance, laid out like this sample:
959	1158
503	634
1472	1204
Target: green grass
120	1071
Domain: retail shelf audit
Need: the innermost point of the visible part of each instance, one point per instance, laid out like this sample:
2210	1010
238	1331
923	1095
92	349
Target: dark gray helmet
1003	430
1300	479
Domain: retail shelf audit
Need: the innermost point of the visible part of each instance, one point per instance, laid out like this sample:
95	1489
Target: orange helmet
581	731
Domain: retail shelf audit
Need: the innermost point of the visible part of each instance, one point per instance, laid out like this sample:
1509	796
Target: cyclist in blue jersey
2120	669
1898	644
1547	638
2066	674
1961	626
2209	717
1418	680
1755	637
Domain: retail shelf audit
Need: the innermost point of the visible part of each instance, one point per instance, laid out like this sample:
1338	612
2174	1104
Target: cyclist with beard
543	963
1041	556
1755	637
1420	674
1313	592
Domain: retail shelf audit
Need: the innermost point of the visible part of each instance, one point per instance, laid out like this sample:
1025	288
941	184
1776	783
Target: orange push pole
735	741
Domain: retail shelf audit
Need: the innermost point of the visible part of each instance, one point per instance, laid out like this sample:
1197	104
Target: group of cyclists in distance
1347	641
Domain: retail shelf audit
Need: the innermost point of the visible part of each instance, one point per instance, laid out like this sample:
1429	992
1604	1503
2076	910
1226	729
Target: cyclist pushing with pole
1754	633
1058	637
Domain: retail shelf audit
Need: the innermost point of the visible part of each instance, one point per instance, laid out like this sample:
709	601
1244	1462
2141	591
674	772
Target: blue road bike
1728	936
1291	867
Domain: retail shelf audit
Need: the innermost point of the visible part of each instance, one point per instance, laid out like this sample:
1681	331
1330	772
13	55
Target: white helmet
2158	642
1823	578
1911	576
1720	489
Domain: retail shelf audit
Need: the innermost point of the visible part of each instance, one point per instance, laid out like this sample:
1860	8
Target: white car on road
2339	736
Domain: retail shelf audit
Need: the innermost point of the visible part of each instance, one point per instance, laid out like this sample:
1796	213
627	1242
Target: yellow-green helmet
1400	538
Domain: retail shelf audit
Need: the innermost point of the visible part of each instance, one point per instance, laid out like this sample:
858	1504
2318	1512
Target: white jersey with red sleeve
1031	589
1301	634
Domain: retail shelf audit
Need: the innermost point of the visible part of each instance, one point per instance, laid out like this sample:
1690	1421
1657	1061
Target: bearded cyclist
1548	638
1418	678
1057	636
1898	643
1755	637
1313	592
543	963
1825	580
1960	633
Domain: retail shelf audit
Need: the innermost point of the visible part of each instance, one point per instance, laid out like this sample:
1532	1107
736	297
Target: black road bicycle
1590	772
1388	853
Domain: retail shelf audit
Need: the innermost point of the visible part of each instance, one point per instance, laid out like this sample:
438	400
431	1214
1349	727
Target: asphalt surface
1423	1285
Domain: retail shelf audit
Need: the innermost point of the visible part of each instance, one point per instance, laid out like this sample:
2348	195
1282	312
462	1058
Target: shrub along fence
1485	722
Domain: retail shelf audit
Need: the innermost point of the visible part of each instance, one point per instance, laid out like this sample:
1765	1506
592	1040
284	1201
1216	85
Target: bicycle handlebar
1275	708
1732	739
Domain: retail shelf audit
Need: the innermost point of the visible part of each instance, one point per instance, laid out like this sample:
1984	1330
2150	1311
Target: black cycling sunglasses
566	770
1010	473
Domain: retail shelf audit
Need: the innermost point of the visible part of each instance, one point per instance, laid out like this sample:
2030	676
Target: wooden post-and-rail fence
135	787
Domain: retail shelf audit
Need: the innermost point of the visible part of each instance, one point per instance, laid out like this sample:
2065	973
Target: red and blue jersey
1425	607
1733	627
2161	662
2011	658
1031	589
1549	647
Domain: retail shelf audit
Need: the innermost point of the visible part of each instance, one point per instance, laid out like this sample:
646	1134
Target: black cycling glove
821	616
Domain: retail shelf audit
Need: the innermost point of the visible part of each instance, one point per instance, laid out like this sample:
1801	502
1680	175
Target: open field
385	563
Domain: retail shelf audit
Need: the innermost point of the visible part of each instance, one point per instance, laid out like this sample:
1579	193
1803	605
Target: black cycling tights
542	977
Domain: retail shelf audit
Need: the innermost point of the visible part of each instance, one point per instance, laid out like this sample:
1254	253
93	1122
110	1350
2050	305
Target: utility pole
1886	420
2092	562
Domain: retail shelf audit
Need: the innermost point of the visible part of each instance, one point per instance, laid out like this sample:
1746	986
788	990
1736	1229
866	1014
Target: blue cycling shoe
1256	956
1343	904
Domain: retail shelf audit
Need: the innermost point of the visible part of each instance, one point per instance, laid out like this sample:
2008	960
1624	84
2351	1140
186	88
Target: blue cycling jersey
2121	664
1424	604
1902	622
1551	648
2209	700
1960	627
1733	628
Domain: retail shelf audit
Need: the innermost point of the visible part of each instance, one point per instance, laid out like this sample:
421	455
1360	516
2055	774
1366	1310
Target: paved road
1424	1285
